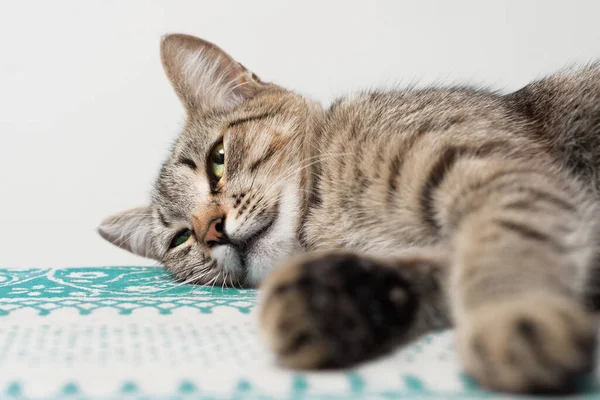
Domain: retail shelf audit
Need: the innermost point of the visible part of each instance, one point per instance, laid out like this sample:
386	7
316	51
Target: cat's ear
203	75
131	230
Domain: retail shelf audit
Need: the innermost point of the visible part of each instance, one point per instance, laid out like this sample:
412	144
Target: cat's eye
180	238
217	161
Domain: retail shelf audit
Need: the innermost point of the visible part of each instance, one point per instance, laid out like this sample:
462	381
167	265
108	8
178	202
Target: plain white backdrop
87	115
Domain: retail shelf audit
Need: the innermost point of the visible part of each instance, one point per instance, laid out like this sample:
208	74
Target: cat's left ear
131	230
204	76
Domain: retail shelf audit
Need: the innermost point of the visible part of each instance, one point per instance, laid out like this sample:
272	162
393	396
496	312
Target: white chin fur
279	244
229	259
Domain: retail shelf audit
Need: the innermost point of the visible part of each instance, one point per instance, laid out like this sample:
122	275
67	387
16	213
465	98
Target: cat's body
416	209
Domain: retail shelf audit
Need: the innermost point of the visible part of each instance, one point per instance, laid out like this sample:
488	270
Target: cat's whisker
223	279
231	281
320	159
199	275
211	283
280	178
231	89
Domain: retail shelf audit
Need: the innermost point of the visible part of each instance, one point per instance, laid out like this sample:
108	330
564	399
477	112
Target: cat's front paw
528	345
334	310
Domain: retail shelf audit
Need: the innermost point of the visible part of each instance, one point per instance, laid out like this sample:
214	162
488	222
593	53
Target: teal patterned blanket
131	332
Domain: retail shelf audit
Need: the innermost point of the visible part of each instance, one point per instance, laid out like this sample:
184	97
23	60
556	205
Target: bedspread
132	332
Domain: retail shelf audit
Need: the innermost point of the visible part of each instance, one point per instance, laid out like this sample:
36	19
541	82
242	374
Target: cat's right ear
130	230
204	76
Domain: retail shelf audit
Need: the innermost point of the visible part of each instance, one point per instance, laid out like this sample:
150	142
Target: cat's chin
268	253
255	263
250	266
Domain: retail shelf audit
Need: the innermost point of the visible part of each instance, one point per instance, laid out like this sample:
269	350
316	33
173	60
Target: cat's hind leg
337	309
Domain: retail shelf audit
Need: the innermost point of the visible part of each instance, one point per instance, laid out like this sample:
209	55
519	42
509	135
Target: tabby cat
387	215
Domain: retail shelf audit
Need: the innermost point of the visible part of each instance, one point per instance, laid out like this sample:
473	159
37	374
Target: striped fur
389	214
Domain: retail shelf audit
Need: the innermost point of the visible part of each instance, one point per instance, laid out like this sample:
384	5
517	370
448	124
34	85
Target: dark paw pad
336	310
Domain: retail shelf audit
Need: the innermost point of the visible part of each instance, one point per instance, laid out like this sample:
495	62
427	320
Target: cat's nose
215	233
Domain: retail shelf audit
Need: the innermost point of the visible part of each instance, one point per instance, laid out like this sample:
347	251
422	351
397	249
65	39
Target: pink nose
214	232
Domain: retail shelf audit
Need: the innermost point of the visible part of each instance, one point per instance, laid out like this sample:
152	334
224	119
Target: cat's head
226	204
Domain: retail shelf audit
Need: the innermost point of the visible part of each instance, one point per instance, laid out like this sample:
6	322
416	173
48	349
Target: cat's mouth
249	248
249	254
245	246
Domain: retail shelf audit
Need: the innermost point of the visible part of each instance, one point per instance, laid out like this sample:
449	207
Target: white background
87	116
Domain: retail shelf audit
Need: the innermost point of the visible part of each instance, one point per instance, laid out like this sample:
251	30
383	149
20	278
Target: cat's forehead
250	126
200	132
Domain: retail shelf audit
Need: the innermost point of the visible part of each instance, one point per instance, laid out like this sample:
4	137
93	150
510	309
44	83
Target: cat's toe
334	310
529	345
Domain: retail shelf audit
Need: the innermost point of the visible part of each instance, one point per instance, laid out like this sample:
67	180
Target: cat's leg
523	241
336	309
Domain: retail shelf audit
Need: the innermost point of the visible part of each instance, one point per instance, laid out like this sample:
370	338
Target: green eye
217	161
180	238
